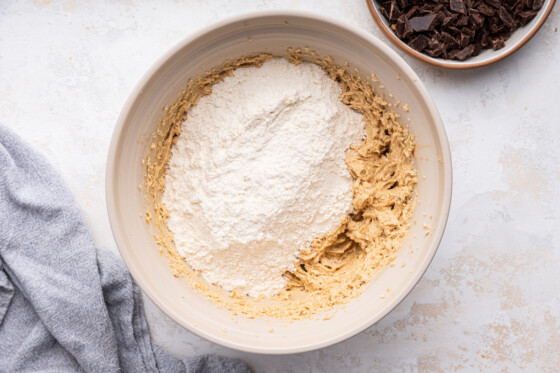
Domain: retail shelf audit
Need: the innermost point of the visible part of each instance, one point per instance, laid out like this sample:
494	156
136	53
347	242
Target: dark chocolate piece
506	17
497	43
512	4
425	23
391	10
477	49
496	28
469	31
419	43
485	39
464	40
448	39
538	4
525	17
403	27
452	55
494	3
486	10
447	21
435	44
457	29
476	18
463	21
457	6
437	52
466	52
411	12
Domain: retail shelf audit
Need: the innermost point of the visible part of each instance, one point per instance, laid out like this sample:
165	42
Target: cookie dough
338	265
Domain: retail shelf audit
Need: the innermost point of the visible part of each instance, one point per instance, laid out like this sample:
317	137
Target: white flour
258	172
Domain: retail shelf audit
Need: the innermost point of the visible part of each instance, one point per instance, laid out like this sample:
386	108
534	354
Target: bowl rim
110	184
457	65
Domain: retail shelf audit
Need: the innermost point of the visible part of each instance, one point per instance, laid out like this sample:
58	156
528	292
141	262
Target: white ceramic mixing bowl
274	32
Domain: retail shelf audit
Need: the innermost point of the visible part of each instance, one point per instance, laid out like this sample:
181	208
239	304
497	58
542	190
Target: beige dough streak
338	265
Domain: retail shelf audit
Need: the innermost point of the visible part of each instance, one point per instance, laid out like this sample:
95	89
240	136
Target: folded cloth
66	306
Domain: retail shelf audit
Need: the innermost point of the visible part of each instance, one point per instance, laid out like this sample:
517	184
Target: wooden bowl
488	56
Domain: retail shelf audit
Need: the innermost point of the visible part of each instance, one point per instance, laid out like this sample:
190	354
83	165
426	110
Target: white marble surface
490	301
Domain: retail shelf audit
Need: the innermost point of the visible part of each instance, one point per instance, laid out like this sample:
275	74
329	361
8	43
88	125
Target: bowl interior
487	56
274	32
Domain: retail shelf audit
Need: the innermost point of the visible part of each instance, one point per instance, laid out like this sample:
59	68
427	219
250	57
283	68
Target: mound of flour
258	172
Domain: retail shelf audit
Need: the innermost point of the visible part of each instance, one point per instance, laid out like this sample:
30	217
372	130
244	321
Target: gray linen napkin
66	306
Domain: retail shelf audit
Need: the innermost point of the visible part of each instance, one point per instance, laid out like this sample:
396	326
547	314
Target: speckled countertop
490	301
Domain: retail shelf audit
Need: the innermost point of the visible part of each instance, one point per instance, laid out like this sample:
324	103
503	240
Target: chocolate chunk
494	3
447	38
425	23
511	5
506	17
402	3
525	17
476	19
426	8
538	4
466	52
496	28
453	30
464	40
486	10
435	44
392	11
419	43
457	29
485	39
434	52
403	27
505	35
477	49
453	54
383	12
411	12
497	43
463	21
447	21
438	8
468	31
457	6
